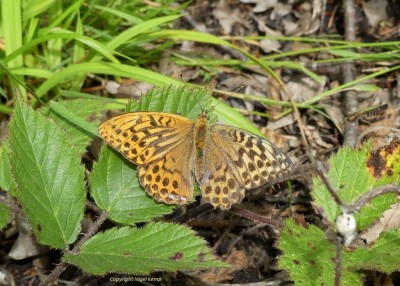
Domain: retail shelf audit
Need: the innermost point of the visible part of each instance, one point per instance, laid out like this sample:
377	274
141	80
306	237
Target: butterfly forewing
161	145
144	137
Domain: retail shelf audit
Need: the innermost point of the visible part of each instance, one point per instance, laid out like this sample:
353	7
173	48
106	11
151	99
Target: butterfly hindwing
237	160
170	179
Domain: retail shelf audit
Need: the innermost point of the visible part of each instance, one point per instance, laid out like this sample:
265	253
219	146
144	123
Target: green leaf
383	255
129	71
49	176
344	53
367	87
157	246
69	115
11	32
59	33
230	116
90	114
5	215
350	177
307	252
309	257
34	8
7	182
144	27
186	101
115	189
190	102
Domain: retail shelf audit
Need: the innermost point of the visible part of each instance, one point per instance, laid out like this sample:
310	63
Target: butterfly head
204	114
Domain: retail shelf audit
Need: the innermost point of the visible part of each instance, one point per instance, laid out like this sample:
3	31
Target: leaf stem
53	276
338	260
320	171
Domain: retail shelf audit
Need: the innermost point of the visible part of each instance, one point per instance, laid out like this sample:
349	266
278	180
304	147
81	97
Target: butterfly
172	151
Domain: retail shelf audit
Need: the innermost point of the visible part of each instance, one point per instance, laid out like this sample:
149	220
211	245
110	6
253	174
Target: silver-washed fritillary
172	151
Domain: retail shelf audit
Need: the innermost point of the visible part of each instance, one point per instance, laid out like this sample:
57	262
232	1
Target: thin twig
350	98
193	212
92	230
338	260
256	217
244	232
296	114
55	274
323	22
371	194
321	173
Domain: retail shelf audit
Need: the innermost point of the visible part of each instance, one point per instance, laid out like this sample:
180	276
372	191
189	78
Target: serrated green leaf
5	215
383	255
190	102
309	257
349	175
157	246
87	110
7	181
49	177
115	189
186	101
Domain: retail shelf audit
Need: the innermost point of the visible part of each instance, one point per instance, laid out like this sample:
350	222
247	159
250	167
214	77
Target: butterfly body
172	151
200	135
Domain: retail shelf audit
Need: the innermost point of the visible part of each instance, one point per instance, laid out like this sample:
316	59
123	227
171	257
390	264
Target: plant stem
349	98
53	276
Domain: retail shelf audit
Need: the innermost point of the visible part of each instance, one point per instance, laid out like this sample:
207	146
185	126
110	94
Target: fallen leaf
375	10
390	220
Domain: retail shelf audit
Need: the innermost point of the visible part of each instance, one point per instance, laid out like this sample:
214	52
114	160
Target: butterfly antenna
199	103
210	89
225	96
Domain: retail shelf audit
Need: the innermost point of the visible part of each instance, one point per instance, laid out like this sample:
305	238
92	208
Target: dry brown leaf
336	115
390	220
315	139
227	17
281	122
261	5
127	88
267	30
25	246
238	260
375	10
302	88
269	46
